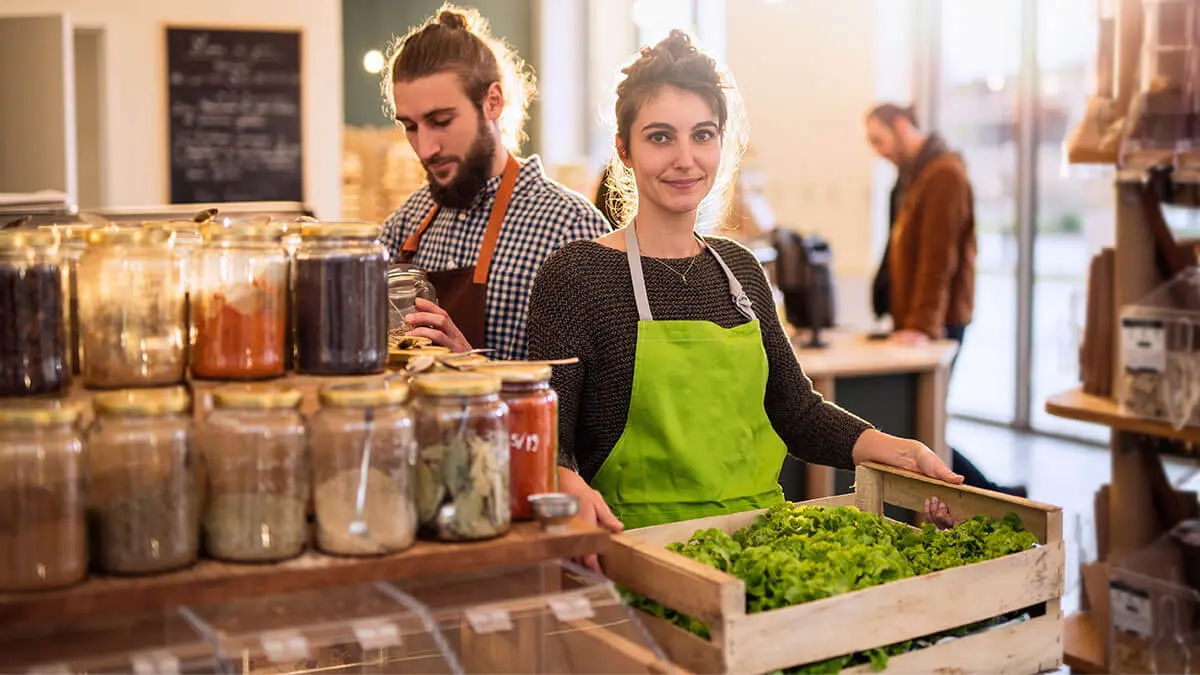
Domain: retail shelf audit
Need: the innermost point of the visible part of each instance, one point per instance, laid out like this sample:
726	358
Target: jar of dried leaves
144	501
364	469
43	533
255	449
462	464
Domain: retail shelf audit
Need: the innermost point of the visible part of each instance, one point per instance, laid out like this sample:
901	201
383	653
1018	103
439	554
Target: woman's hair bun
678	44
452	19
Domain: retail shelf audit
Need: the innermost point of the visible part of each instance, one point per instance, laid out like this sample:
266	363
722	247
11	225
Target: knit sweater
583	305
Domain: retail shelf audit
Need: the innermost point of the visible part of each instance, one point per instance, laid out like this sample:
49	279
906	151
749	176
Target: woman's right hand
592	509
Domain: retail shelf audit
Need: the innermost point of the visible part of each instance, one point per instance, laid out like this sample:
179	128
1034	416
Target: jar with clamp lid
144	502
131	309
255	448
405	283
532	431
43	517
339	286
364	469
462	464
33	315
239	302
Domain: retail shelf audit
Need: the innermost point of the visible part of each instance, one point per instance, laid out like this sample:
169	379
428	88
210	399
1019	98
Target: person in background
688	395
484	221
926	279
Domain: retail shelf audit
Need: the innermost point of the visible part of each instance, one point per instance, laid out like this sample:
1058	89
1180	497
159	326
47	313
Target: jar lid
11	240
513	373
242	231
385	392
256	397
111	236
456	384
143	402
74	232
345	230
39	414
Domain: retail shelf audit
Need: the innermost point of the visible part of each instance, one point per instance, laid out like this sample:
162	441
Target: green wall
371	24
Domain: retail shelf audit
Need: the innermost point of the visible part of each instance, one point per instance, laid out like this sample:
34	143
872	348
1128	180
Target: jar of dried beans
255	448
532	432
144	497
340	300
33	315
43	522
239	302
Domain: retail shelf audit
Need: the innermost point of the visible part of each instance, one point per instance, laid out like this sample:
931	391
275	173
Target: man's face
884	140
450	135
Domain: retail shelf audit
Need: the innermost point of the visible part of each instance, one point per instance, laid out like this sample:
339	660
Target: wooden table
852	355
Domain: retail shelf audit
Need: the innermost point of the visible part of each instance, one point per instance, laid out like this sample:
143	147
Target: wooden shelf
210	581
1083	652
1076	405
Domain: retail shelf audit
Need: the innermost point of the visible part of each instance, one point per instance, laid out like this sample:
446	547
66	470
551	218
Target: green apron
697	441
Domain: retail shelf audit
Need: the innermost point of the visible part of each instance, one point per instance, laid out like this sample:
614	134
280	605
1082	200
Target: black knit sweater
583	305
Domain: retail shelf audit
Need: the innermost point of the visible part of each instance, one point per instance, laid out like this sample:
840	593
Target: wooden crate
868	618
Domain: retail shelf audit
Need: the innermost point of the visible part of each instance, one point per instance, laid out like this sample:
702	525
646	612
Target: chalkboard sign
235	126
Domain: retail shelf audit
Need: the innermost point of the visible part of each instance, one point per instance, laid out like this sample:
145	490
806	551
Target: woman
688	395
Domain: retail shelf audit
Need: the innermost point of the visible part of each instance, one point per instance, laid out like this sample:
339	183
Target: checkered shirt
542	217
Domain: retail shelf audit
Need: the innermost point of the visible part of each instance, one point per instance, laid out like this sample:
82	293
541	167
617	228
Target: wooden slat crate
868	618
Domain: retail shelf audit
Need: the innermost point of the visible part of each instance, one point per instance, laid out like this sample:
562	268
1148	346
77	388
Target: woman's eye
704	136
660	137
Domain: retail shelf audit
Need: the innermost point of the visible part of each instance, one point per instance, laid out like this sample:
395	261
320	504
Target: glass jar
462	465
405	283
33	315
239	303
43	526
255	449
144	501
185	240
339	288
364	449
72	242
131	309
532	432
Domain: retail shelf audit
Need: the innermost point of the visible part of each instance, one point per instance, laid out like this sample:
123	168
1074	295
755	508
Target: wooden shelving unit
1076	405
1083	651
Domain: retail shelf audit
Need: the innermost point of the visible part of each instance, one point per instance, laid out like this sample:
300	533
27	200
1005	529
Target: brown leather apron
462	292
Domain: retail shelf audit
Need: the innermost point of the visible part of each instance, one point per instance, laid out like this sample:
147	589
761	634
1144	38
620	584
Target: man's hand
434	323
592	509
909	338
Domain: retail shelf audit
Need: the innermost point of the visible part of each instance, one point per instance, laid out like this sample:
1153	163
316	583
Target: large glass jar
33	315
462	465
255	448
239	302
405	283
131	309
185	241
43	526
532	432
144	501
364	469
72	242
339	287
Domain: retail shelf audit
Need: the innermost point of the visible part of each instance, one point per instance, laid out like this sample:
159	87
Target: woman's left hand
911	455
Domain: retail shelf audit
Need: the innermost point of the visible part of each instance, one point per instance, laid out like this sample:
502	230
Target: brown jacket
933	250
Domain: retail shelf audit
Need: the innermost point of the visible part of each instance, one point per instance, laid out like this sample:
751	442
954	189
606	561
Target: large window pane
1074	209
980	59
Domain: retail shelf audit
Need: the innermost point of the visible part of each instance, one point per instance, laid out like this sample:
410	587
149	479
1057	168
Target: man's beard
472	174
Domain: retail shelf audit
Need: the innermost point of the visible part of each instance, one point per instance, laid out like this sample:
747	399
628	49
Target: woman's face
674	150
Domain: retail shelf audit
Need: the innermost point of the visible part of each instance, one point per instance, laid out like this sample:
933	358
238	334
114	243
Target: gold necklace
682	276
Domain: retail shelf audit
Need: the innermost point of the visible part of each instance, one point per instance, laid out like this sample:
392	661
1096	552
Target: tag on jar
155	663
284	646
377	634
484	621
1143	345
1131	610
572	608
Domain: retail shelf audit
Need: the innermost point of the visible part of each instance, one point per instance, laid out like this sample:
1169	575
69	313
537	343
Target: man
484	222
926	280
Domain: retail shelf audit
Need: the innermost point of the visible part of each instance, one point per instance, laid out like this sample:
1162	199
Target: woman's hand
911	455
592	509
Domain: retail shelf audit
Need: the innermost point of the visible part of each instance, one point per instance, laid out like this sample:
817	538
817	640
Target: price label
155	663
377	635
573	608
284	646
1143	345
1131	610
484	621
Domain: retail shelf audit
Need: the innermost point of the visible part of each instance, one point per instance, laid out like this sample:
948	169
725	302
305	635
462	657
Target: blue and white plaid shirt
542	217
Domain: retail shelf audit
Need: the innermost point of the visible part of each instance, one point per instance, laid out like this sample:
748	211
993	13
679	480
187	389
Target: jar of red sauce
532	432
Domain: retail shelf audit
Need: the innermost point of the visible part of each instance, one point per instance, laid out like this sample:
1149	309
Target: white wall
809	71
135	126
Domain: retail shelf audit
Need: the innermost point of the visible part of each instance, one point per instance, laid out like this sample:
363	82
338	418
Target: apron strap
634	255
495	220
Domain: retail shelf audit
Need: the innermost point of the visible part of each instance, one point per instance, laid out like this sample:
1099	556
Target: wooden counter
853	355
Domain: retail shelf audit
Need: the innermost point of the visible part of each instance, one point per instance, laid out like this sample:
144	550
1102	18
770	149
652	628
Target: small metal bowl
554	510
